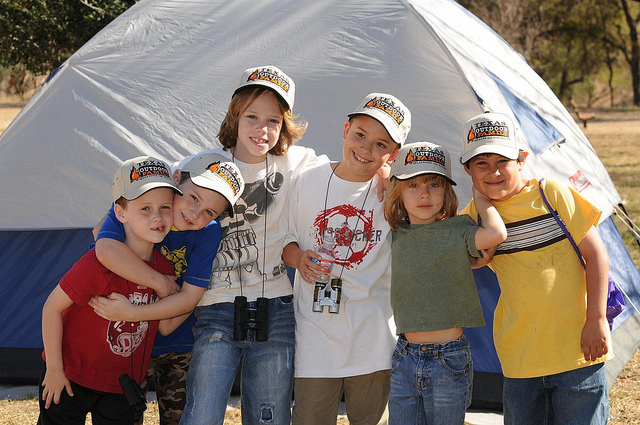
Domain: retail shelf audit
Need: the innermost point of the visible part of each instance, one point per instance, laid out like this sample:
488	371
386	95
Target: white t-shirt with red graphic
360	338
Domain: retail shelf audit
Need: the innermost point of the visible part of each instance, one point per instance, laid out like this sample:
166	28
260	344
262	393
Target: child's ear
394	155
120	213
467	168
522	158
347	124
176	176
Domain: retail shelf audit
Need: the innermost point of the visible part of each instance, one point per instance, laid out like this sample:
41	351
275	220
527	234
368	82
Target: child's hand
595	338
479	198
306	266
168	286
487	255
383	182
115	307
54	382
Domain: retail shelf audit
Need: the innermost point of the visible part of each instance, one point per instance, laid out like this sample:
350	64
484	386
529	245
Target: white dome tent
158	80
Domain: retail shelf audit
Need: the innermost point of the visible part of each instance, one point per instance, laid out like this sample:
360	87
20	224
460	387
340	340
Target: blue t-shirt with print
191	252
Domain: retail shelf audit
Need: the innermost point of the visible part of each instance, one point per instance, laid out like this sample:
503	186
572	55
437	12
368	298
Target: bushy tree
38	35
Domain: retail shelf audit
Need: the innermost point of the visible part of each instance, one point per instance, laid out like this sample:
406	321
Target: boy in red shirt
85	355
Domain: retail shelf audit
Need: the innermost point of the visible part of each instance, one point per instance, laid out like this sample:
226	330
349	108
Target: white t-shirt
360	338
244	255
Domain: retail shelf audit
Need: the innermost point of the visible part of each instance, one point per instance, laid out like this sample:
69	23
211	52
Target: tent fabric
158	79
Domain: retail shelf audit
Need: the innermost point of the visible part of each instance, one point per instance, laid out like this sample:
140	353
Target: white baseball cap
138	175
418	158
392	114
271	77
215	172
489	133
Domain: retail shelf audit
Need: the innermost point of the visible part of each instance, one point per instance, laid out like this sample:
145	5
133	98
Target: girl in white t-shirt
247	312
433	294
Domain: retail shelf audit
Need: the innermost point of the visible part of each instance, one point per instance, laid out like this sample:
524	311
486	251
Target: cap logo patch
425	154
226	174
488	129
270	76
388	107
146	169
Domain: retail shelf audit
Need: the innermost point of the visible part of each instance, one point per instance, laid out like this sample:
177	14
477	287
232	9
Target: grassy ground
615	135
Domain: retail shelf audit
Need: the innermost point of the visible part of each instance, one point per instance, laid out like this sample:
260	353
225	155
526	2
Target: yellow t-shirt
542	308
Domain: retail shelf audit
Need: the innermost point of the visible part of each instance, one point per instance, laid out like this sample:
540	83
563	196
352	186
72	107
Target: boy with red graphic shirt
84	354
347	347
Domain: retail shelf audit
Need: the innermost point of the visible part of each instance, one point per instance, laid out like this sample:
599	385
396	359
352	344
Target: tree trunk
634	58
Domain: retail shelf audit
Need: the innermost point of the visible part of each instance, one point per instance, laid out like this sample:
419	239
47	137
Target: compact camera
246	317
134	394
328	294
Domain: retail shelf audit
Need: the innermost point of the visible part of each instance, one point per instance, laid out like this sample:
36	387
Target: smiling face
423	199
367	147
149	217
258	128
496	177
197	207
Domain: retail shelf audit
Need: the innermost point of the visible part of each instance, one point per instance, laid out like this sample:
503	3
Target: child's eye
274	121
381	145
251	116
413	185
359	135
434	185
209	213
194	199
166	207
145	208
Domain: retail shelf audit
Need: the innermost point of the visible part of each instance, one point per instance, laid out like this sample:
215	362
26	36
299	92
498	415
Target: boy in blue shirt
211	185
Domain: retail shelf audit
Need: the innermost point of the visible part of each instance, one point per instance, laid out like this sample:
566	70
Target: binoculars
133	393
245	318
329	294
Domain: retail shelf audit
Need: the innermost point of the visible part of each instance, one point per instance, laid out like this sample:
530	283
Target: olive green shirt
432	285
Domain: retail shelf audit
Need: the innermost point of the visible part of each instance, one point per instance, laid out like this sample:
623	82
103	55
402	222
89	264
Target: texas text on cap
271	77
215	172
139	175
489	133
419	158
392	114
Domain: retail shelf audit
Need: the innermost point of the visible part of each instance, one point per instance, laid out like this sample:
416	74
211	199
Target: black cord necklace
355	228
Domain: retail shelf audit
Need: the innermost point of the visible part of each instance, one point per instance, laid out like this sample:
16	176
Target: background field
614	134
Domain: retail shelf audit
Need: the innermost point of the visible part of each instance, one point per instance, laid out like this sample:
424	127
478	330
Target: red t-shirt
95	351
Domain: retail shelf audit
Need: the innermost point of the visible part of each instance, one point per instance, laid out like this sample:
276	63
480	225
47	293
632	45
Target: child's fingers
67	386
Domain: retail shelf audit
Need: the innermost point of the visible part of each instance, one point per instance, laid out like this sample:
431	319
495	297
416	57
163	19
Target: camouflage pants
170	373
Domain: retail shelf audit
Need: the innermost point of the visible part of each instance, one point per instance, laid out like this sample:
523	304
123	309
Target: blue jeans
430	383
576	397
267	370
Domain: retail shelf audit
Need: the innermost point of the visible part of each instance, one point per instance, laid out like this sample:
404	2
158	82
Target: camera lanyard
264	238
355	228
144	348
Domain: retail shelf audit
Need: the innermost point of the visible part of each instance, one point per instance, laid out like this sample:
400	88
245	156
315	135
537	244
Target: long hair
394	210
291	129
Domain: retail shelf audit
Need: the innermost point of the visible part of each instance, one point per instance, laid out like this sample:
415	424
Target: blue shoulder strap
561	224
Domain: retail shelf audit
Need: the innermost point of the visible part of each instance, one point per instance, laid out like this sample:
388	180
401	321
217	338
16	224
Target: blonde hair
291	130
394	210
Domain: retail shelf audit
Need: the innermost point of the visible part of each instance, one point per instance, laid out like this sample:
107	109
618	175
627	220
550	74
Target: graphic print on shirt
177	257
239	250
125	337
342	220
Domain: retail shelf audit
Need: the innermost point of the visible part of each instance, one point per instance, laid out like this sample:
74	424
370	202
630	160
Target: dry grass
615	136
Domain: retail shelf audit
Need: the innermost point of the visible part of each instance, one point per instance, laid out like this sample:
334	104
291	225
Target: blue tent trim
539	133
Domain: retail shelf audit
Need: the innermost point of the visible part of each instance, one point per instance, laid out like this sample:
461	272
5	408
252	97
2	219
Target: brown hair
394	210
122	201
290	132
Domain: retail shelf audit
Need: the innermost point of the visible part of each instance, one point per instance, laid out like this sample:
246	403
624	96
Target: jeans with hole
267	369
576	397
430	383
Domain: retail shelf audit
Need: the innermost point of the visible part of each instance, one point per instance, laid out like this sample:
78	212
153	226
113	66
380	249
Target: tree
38	35
627	43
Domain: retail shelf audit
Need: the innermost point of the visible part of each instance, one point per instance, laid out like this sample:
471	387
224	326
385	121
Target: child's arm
293	256
55	379
118	307
166	326
120	259
493	231
595	338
